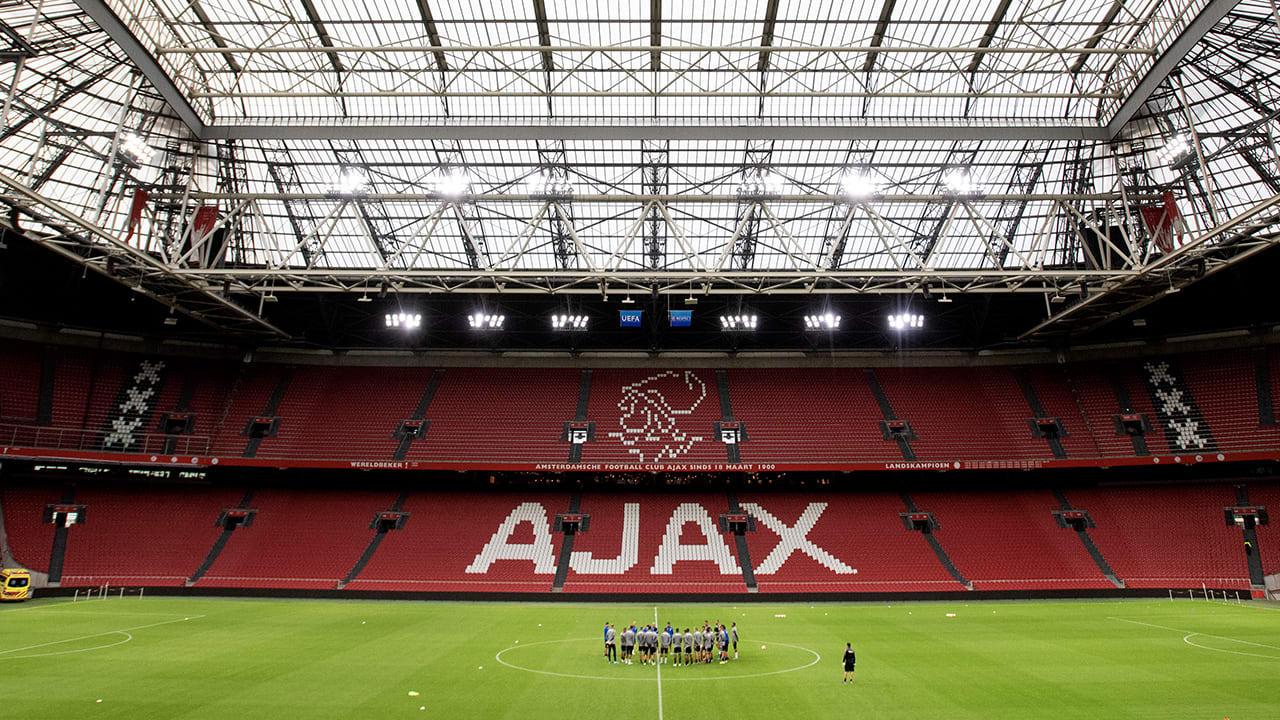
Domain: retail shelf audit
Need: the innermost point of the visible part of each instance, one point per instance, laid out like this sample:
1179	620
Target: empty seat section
498	415
1226	390
208	404
1171	536
1091	384
809	416
249	397
863	531
447	534
1010	541
602	565
19	384
72	372
963	413
1059	400
299	539
143	535
654	416
1268	496
342	413
30	538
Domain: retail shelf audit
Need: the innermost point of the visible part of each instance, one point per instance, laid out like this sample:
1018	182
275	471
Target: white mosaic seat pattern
651	409
140	397
1178	414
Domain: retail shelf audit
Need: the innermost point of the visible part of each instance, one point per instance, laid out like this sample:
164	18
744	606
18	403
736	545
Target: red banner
1163	222
140	198
203	221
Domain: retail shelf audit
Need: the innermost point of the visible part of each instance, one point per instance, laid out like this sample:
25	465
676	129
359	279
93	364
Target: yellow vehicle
15	585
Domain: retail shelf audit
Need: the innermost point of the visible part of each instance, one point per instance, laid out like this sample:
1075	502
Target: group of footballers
655	647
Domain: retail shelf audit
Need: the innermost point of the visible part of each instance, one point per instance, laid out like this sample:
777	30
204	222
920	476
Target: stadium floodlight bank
407	321
485	321
906	321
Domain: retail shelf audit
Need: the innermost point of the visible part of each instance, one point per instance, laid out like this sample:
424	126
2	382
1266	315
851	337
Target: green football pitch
251	658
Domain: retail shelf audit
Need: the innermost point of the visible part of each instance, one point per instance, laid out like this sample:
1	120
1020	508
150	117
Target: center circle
816	659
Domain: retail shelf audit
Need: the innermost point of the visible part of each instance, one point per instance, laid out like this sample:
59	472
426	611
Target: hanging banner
1164	224
681	318
202	222
629	318
140	198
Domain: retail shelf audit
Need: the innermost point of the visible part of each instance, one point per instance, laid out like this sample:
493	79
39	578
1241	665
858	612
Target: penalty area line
101	634
1192	633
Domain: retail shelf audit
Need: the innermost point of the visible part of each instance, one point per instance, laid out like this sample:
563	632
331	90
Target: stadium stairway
1038	413
733	450
1262	386
566	543
580	416
932	539
379	534
59	554
902	436
218	544
1089	545
1257	577
744	553
419	414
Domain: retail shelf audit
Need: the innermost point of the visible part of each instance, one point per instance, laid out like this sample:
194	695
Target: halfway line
658	665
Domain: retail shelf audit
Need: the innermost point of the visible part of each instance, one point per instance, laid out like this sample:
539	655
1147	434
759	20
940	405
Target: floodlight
960	181
760	182
1173	150
546	183
453	182
407	321
135	148
485	321
828	321
739	322
859	185
350	181
569	322
905	321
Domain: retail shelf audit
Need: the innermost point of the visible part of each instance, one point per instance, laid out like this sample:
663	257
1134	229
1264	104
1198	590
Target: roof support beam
652	132
207	23
1103	26
159	79
992	27
1178	49
882	26
655	34
325	40
544	39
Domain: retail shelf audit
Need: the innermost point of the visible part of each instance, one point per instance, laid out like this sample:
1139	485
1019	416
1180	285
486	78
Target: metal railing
38	436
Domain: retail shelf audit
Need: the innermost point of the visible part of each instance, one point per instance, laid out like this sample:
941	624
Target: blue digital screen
681	318
629	318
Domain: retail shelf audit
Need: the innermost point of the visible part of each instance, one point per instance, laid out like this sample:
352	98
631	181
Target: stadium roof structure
737	147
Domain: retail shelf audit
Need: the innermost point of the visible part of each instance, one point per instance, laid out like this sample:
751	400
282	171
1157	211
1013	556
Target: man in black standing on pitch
849	662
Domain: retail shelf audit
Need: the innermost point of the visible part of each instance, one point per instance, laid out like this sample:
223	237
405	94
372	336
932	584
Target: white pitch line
109	632
1190	633
658	665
